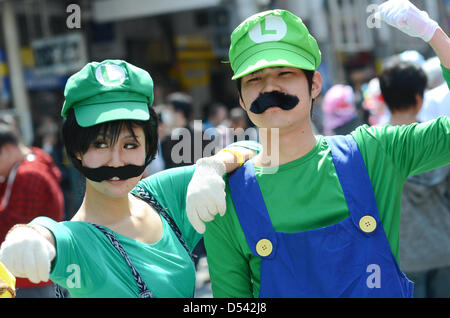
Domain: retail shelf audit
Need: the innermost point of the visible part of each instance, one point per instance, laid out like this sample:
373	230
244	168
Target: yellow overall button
367	224
264	247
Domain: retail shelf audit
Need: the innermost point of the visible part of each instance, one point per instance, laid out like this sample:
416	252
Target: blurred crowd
345	107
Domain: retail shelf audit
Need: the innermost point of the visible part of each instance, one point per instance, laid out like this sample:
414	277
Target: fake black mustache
105	172
273	99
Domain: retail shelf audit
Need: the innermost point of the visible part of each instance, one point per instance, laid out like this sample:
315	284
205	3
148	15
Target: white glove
206	193
26	253
406	17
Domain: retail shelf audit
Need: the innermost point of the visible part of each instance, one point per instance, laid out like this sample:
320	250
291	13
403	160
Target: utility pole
20	98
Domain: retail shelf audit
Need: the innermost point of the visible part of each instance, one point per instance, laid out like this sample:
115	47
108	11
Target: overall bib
349	259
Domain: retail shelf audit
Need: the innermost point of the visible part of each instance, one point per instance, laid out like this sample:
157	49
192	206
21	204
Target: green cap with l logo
107	91
272	38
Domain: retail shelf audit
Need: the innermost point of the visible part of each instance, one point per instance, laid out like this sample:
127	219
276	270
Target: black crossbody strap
144	292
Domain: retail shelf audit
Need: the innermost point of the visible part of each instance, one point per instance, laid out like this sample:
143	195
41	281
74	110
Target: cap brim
90	115
273	58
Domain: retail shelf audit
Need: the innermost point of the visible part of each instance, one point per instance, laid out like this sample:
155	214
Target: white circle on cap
272	28
110	74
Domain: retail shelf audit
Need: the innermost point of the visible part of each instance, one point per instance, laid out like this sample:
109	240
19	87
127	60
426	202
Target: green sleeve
73	258
392	154
229	262
446	74
169	188
413	149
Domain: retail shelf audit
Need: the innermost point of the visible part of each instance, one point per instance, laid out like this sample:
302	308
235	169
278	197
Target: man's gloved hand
206	193
26	253
406	17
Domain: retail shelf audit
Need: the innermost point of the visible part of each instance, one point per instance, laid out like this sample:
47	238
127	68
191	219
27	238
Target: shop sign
60	55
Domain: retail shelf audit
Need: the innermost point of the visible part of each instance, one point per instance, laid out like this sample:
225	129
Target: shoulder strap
353	177
147	197
144	292
250	207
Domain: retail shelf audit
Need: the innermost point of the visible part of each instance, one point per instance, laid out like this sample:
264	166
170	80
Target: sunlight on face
127	150
287	80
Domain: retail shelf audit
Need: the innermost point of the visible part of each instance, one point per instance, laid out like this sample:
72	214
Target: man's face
287	80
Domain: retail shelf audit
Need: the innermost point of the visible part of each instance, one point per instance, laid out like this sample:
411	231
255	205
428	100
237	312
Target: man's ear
241	102
316	87
419	102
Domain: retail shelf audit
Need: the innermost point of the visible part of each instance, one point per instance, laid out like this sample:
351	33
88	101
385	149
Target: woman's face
127	150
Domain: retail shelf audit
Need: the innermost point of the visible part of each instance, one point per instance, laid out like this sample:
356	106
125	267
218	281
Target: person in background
402	85
339	111
437	97
425	219
29	188
432	67
239	127
178	148
216	115
412	56
158	163
49	140
374	103
216	123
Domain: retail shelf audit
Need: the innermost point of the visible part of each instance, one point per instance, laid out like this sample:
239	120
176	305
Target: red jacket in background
35	192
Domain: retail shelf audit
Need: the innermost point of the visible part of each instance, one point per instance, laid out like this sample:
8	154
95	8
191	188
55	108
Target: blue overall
340	260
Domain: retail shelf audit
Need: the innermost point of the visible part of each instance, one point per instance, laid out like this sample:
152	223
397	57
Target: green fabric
89	266
446	74
306	194
272	38
107	91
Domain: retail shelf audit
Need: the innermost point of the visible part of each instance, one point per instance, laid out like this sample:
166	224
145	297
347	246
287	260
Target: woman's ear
316	87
